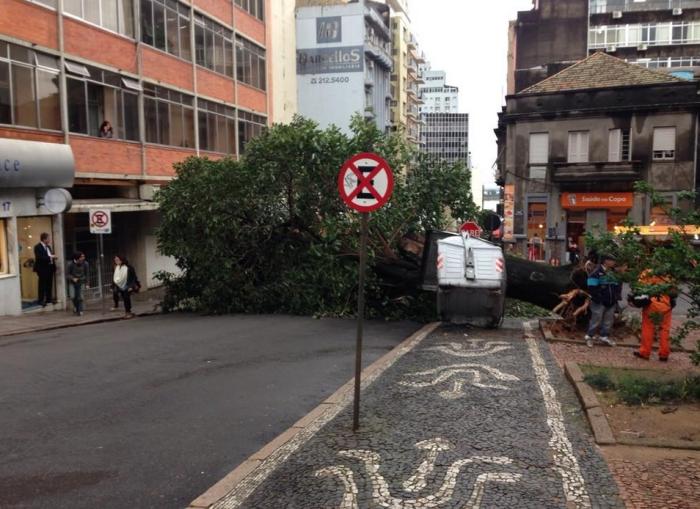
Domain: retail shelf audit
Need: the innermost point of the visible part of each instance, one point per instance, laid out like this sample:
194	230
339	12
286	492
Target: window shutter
615	145
578	147
664	138
539	148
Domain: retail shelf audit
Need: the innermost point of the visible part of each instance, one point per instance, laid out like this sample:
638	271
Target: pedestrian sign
100	221
365	182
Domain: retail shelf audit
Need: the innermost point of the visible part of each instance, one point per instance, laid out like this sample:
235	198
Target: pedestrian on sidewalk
124	283
656	310
77	277
45	268
604	289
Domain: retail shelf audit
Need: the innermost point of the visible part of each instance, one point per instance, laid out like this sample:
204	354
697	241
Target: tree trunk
537	283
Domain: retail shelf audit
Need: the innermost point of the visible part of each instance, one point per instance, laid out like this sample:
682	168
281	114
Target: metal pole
100	264
360	319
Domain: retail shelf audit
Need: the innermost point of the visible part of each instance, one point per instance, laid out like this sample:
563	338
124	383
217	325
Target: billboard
330	60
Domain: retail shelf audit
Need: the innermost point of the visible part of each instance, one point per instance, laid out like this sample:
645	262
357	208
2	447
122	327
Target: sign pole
360	320
100	264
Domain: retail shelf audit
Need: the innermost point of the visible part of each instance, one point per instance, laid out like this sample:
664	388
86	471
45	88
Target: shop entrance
576	229
29	230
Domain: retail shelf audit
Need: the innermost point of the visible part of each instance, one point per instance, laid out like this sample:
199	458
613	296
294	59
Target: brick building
174	79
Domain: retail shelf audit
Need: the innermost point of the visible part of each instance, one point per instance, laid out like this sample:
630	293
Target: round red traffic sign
471	227
365	182
100	219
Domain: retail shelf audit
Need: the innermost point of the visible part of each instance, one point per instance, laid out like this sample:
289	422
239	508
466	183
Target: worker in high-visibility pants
657	312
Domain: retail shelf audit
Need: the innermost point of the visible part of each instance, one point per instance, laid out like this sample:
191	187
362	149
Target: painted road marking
562	451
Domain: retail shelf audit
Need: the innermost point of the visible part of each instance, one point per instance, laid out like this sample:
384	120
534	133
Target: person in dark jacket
77	278
604	289
45	268
124	283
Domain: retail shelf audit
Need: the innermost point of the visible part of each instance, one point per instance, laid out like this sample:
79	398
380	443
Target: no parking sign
100	221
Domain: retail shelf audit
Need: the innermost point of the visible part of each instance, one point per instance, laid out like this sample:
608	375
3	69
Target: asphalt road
152	412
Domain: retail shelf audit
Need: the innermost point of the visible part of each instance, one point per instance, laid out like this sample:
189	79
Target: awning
660	230
35	164
115	205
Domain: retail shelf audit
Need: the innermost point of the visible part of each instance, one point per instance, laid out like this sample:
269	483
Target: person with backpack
603	287
124	283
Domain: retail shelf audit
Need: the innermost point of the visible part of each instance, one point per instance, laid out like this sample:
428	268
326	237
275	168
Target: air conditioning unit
643	47
611	49
617	14
677	11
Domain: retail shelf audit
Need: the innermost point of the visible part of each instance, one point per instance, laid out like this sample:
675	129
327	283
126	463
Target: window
536	230
4	256
165	24
254	7
578	147
539	155
249	126
664	144
217	127
28	88
114	15
250	63
101	96
619	145
169	116
213	46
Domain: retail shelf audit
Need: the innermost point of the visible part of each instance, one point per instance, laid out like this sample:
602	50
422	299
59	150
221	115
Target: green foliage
600	380
270	234
676	259
520	309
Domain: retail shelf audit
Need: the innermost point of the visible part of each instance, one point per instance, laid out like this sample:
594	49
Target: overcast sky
469	40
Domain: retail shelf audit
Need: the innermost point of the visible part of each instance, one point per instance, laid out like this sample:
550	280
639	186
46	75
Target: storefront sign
597	200
330	60
329	29
660	230
35	164
509	212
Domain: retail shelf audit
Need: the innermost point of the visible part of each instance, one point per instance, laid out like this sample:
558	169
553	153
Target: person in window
77	276
106	130
124	283
573	251
45	268
535	249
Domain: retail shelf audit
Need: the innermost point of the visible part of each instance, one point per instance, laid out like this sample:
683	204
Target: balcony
611	6
600	171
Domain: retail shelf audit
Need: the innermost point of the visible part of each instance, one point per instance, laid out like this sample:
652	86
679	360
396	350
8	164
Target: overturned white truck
469	275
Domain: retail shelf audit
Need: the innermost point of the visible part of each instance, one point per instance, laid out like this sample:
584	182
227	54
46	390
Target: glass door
29	230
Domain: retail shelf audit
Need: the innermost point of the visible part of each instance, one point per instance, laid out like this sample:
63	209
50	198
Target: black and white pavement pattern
467	419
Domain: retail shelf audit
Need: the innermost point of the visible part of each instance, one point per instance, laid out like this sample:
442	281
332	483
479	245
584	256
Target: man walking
604	290
45	267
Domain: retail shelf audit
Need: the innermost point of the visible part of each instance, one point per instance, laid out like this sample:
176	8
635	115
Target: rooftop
600	70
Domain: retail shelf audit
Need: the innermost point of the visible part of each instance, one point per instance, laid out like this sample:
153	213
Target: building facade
658	34
445	131
572	146
344	62
174	79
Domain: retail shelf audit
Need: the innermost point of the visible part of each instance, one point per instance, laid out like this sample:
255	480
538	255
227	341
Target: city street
151	412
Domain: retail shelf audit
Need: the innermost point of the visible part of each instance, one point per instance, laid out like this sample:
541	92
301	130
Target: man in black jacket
45	267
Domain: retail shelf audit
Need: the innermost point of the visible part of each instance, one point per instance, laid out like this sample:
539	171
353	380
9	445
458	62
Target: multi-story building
663	34
343	61
445	131
572	146
173	78
406	78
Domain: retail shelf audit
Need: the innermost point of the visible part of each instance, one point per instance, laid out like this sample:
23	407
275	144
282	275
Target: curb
596	417
294	436
103	319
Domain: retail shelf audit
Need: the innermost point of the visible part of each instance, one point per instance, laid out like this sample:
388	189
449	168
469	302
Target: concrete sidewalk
144	303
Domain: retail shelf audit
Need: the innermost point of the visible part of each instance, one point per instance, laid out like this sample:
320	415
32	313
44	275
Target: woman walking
77	276
124	283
